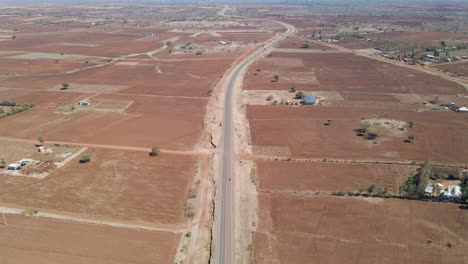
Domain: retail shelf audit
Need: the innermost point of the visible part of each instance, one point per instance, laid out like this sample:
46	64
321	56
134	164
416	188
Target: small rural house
429	189
463	109
14	166
309	99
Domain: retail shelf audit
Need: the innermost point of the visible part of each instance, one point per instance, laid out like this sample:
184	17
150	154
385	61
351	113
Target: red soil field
91	42
295	42
40	240
345	72
312	176
460	68
440	136
37	66
315	229
116	183
173	123
177	78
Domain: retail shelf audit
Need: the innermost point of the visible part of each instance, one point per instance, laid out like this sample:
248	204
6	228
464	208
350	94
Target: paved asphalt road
225	246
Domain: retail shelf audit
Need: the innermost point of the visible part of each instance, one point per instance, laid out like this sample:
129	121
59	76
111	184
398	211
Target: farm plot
439	136
455	68
37	66
115	183
174	78
103	43
304	229
344	73
40	240
280	176
168	122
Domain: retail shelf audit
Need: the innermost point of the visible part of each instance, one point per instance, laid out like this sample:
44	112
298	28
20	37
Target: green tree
2	163
276	77
299	95
85	158
442	43
371	189
154	151
293	89
199	52
65	86
329	121
307	44
436	53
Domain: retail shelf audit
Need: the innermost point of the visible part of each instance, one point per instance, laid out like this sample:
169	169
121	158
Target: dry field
310	177
343	72
168	122
116	183
300	161
440	136
316	229
45	241
456	68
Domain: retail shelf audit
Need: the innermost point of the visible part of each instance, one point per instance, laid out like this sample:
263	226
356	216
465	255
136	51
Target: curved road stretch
225	245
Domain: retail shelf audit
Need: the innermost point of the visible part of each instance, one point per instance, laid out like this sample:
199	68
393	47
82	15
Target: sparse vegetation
41	140
306	45
276	78
300	95
12	108
154	151
85	158
30	212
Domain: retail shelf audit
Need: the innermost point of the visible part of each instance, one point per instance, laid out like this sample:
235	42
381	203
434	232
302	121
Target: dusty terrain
302	156
43	240
148	73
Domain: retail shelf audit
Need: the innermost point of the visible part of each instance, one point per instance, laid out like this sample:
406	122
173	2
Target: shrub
339	193
189	234
65	86
300	95
276	77
258	70
85	158
2	163
269	98
154	151
293	89
41	140
373	132
199	52
411	124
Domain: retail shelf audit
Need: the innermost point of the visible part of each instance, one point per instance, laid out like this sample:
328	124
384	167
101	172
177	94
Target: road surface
225	246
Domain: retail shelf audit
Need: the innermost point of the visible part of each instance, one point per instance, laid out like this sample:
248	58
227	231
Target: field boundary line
80	218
